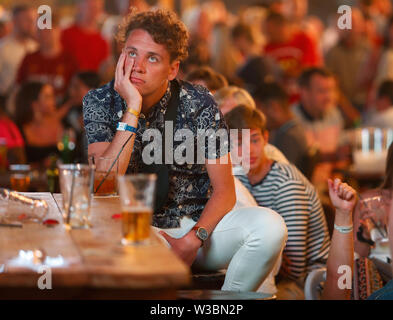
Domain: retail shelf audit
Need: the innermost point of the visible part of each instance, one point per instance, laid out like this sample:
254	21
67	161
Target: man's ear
173	69
266	136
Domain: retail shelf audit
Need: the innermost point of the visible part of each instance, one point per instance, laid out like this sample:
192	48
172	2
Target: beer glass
106	169
137	194
20	177
76	186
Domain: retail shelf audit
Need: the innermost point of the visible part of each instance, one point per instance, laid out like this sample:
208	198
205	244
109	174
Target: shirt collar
161	106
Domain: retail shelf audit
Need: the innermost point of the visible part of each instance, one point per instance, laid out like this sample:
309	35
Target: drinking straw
71	195
113	163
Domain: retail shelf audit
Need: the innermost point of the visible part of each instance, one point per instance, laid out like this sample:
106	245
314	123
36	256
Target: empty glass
76	181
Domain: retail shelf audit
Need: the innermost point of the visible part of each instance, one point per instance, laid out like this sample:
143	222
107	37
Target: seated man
286	133
382	115
284	189
317	111
230	97
196	217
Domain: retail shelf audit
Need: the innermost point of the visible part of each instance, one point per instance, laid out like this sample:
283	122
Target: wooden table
96	264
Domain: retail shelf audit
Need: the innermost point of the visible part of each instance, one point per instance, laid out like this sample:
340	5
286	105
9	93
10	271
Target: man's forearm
113	148
216	208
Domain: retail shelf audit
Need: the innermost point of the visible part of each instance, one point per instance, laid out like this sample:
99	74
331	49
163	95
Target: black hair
305	78
89	78
271	91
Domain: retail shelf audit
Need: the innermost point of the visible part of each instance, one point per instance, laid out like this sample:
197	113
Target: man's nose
140	65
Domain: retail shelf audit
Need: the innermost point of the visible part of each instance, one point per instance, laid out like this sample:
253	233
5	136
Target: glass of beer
106	169
20	177
137	194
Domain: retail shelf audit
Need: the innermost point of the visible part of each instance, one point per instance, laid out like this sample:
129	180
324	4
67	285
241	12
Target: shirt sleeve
210	124
308	240
97	118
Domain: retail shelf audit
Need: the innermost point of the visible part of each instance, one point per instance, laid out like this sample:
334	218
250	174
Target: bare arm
220	203
343	198
223	198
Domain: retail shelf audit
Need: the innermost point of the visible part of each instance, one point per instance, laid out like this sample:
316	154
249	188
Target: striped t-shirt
285	190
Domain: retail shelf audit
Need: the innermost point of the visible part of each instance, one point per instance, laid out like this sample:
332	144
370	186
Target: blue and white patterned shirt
189	185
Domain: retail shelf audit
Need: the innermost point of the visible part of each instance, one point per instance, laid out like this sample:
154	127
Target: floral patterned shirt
189	185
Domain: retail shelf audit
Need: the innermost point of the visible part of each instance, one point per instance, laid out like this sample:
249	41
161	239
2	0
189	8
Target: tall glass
375	209
137	193
20	175
76	181
106	170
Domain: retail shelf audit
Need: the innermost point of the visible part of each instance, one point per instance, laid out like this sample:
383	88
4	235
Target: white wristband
341	229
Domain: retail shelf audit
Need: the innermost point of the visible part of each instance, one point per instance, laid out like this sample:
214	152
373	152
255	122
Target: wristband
122	126
133	112
341	229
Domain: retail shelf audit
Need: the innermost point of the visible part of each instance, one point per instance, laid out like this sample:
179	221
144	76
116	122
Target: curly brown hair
163	25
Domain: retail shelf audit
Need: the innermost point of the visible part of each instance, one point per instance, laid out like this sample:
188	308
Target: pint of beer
106	169
137	200
20	177
136	224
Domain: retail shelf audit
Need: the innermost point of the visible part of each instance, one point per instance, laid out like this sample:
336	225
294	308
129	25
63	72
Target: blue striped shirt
285	190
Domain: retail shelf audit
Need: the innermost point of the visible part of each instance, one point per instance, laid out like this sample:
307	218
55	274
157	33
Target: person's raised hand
123	83
342	196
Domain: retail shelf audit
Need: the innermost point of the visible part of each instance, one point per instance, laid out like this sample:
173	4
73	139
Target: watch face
202	233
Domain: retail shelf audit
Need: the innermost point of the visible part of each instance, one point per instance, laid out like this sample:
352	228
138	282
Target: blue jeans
385	293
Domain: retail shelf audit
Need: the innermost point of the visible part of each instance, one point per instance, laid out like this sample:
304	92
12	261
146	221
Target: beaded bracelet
341	229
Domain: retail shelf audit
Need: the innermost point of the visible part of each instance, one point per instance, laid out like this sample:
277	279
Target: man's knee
265	225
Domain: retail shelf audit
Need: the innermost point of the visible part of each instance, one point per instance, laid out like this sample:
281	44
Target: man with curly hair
196	216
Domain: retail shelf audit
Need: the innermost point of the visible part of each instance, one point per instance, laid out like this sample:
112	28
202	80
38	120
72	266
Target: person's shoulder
189	90
196	96
288	173
100	94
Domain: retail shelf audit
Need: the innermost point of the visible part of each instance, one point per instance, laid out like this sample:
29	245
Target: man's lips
136	80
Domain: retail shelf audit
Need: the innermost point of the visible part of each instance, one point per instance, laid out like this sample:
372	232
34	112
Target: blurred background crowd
327	92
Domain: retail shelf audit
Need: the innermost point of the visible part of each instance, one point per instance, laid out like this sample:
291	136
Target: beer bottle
3	155
67	146
52	174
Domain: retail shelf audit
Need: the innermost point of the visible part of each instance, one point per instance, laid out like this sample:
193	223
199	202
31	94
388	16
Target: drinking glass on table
137	193
76	181
106	170
20	175
375	210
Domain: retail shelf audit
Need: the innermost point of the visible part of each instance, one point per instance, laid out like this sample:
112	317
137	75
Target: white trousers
247	242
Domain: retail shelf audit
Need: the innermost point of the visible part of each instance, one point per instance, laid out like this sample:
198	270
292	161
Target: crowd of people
297	85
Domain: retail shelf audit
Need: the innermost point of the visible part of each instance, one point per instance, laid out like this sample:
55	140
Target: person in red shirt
83	40
50	64
10	134
292	49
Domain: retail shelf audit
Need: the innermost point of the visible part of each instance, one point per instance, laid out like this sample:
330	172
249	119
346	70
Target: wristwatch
201	234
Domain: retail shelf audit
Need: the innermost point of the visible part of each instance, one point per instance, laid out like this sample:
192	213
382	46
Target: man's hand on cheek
123	83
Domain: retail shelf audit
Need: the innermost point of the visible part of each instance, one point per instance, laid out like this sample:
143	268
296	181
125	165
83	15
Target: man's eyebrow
149	52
